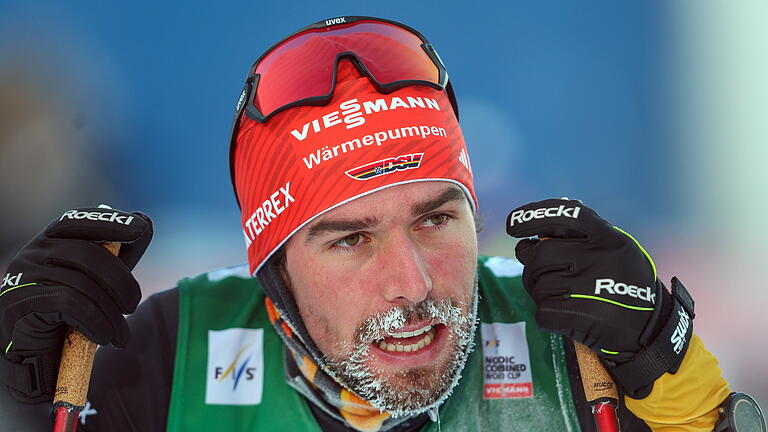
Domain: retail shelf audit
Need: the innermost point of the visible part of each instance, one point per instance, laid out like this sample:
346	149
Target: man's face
385	285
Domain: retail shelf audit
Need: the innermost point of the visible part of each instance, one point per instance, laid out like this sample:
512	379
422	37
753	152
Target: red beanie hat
307	160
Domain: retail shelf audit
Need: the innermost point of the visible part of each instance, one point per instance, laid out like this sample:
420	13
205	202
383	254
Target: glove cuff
664	353
32	380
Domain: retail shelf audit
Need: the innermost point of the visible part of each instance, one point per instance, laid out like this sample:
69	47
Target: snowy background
651	112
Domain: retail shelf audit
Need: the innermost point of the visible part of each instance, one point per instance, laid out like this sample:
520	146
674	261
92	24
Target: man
358	212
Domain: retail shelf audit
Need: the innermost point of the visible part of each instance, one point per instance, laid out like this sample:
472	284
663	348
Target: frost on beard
415	390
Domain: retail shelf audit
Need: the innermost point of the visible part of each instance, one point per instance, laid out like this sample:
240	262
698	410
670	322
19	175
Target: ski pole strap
32	380
665	353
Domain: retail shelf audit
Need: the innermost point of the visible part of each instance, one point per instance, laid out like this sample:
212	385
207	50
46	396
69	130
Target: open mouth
412	346
409	341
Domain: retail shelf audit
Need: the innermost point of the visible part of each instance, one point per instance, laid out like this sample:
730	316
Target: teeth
423	342
412	333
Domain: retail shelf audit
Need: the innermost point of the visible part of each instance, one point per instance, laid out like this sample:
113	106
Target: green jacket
229	363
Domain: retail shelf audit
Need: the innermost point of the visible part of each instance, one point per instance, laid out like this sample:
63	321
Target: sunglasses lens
299	68
390	53
303	66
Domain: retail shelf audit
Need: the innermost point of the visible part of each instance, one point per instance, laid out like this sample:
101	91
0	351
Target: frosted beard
415	390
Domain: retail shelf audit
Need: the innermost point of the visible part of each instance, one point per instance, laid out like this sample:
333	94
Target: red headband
306	161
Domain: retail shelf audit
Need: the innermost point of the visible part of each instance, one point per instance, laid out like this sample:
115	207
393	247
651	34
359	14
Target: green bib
228	372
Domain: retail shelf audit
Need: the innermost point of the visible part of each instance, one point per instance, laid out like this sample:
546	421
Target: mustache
444	311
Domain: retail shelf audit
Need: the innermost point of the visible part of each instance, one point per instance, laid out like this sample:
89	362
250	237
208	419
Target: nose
404	272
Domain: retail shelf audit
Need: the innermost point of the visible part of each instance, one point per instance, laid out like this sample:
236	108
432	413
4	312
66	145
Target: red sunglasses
301	69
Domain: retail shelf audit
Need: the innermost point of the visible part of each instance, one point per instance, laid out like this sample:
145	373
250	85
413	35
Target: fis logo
95	215
237	369
492	343
521	216
11	280
386	166
620	288
678	337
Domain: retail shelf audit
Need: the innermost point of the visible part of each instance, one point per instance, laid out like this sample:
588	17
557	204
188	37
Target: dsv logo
386	166
237	370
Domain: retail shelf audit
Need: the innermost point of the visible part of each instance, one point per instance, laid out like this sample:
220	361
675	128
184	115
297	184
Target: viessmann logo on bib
235	372
506	362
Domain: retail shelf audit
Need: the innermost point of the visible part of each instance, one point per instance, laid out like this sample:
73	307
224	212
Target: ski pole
599	389
74	374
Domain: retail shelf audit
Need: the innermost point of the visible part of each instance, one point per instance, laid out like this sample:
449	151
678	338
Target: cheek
324	305
312	282
452	266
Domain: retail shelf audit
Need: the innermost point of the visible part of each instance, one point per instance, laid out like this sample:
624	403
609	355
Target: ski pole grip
598	385
76	363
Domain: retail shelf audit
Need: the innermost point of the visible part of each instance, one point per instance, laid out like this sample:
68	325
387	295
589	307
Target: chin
409	383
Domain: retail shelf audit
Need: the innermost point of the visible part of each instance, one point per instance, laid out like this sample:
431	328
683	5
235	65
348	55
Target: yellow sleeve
688	400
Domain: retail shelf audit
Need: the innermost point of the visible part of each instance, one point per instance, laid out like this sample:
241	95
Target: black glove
594	283
64	277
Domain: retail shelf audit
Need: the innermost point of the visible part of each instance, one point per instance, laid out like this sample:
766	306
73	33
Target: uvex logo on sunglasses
352	113
333	21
